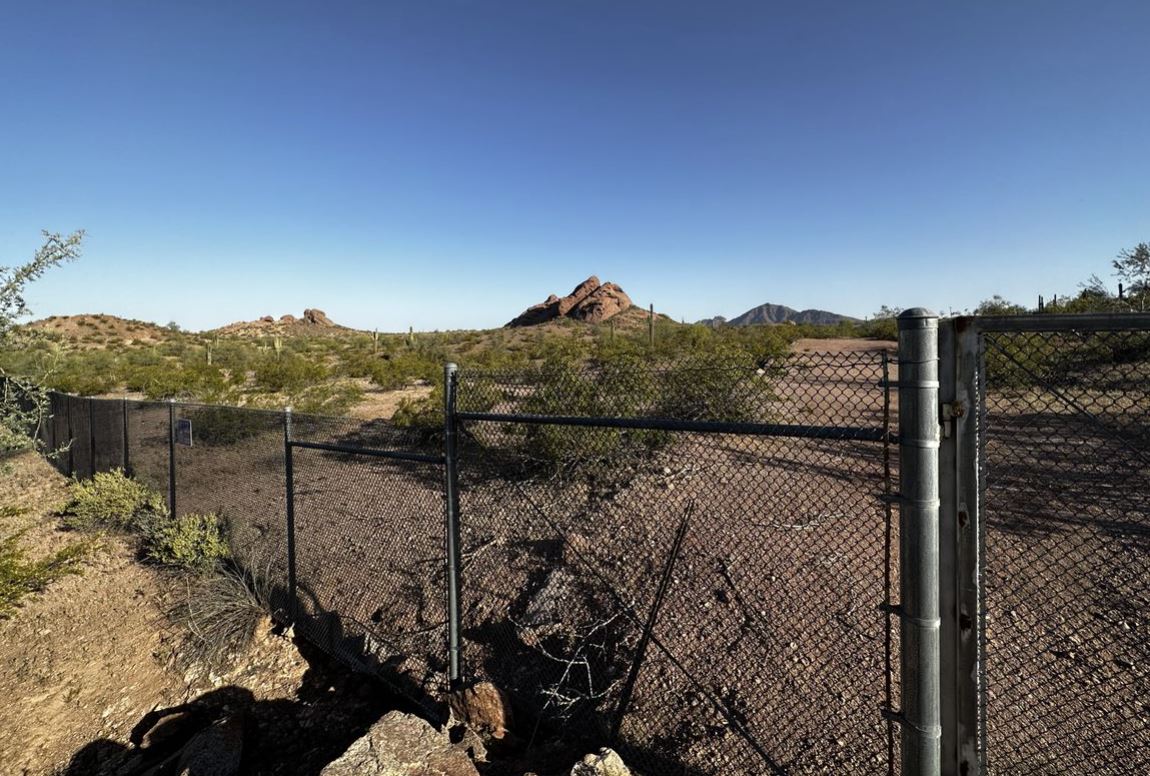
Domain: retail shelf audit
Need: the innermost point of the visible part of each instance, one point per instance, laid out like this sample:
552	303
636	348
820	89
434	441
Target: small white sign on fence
184	432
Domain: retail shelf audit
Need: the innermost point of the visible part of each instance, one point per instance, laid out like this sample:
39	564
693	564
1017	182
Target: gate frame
962	398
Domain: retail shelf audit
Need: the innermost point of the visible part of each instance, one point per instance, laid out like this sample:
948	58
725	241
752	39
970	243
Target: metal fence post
71	442
451	485
53	407
172	457
289	487
124	429
92	435
918	551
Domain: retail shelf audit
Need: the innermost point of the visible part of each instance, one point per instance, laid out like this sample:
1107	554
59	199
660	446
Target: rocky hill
312	322
97	330
777	313
591	301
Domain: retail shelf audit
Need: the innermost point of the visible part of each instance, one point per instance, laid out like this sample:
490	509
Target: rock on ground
606	762
484	708
215	751
402	745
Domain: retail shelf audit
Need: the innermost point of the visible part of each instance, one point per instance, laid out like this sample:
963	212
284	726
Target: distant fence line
700	566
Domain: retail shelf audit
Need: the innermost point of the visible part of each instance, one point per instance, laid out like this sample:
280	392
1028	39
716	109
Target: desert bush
218	425
327	398
222	611
561	386
404	367
18	419
287	373
423	416
722	385
20	576
167	380
190	541
111	500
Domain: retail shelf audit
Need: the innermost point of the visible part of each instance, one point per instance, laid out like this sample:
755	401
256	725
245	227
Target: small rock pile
480	720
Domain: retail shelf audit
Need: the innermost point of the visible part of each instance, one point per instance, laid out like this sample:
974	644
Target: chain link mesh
1066	549
148	444
708	602
370	552
768	651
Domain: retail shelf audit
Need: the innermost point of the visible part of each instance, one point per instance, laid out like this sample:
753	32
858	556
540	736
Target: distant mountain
777	313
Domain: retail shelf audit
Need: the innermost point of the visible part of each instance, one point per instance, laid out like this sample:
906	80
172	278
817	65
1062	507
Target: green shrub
327	398
287	373
189	541
20	576
228	425
424	416
111	500
721	385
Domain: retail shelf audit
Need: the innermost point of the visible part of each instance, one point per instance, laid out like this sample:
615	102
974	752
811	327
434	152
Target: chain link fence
693	564
703	593
696	564
1065	576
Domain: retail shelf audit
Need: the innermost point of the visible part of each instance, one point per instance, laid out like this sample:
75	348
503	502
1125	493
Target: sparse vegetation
20	575
222	610
112	501
190	541
22	397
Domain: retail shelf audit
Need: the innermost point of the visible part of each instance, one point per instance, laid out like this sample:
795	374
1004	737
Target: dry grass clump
223	609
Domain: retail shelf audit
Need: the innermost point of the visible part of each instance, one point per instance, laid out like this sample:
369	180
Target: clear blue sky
443	164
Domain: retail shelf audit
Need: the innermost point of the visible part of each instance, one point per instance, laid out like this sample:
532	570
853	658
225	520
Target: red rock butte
591	301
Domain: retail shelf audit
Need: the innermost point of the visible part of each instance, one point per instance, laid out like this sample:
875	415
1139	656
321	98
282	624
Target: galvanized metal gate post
961	389
918	413
451	493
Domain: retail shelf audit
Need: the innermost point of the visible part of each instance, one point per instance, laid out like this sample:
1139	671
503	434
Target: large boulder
402	745
577	297
590	301
606	301
317	318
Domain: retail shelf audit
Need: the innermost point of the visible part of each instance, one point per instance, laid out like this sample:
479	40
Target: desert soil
87	660
78	662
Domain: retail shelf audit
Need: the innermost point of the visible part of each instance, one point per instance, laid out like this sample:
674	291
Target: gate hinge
950	411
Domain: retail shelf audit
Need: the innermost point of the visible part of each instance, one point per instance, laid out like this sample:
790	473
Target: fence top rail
700	426
300	416
1040	322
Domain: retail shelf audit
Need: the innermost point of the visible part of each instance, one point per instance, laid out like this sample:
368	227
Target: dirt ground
78	662
844	345
378	403
88	660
